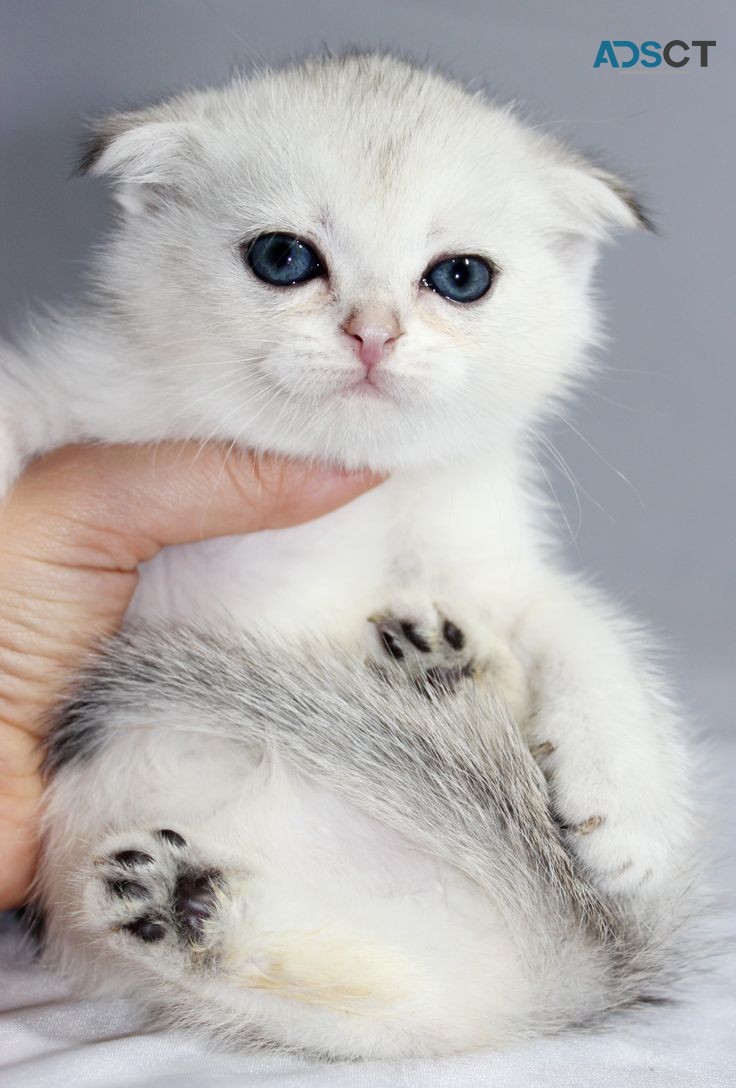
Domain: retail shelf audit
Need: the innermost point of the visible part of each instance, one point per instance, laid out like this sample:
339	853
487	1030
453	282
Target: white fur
386	168
335	935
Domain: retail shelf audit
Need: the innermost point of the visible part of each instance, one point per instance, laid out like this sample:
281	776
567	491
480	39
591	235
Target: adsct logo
676	54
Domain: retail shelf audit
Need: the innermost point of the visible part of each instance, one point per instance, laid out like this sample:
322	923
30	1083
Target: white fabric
49	1038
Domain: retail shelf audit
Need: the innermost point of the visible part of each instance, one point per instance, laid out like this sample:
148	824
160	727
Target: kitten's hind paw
152	888
432	651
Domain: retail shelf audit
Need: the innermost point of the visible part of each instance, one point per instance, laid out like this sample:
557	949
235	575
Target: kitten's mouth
367	388
370	386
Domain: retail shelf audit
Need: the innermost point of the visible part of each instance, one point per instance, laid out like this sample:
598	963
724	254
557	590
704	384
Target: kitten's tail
449	772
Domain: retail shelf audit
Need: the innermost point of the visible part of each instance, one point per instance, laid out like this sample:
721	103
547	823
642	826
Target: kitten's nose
373	332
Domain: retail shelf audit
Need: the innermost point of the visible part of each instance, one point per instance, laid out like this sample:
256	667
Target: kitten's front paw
621	838
620	858
430	649
151	888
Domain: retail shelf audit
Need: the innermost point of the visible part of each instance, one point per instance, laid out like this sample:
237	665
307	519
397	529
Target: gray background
653	455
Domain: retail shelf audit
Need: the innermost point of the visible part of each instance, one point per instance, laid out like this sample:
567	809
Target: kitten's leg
287	951
55	389
11	458
596	717
608	740
36	414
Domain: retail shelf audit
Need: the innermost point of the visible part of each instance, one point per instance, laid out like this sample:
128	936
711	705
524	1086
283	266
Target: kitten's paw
430	649
621	840
152	888
618	856
438	650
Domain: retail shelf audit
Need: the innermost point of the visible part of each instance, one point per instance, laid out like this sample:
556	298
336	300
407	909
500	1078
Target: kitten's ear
145	158
598	200
594	203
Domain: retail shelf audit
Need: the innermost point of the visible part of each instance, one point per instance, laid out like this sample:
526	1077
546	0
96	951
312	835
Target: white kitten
429	258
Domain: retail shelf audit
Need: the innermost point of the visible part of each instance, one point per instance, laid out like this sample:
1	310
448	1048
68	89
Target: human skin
72	534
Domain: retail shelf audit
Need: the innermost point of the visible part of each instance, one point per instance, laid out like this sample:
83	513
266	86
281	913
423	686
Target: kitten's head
353	259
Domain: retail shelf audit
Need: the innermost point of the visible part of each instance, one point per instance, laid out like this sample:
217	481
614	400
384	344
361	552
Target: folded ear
597	200
592	203
145	158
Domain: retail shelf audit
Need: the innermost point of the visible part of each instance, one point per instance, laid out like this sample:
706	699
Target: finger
118	505
20	792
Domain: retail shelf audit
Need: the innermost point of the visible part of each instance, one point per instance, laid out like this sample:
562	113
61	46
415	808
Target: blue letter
634	53
606	55
651	49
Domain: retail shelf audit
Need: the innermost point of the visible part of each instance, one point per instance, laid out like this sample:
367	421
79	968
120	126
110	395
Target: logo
676	54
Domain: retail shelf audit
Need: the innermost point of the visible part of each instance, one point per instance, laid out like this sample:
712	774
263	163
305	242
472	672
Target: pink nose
373	334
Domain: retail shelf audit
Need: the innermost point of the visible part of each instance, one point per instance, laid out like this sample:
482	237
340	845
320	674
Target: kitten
357	260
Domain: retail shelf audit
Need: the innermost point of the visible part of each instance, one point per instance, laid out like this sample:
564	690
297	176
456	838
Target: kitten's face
430	257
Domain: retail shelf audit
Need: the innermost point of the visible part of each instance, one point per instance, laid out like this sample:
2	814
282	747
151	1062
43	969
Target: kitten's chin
386	424
364	430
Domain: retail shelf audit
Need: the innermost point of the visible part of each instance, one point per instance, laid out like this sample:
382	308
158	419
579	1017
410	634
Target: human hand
72	534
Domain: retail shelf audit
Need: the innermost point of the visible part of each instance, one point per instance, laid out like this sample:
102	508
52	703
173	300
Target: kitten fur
351	897
469	925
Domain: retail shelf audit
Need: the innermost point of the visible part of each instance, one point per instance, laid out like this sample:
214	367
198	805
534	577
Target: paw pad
147	930
129	888
431	654
194	900
172	837
132	858
158	890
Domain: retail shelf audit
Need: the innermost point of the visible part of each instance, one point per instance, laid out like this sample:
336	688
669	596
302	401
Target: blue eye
460	279
283	260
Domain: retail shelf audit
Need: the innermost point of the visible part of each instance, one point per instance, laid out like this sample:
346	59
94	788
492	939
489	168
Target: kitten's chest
428	534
